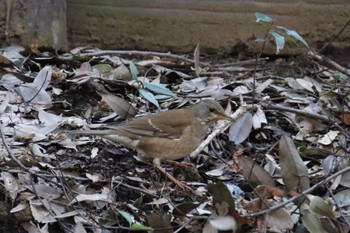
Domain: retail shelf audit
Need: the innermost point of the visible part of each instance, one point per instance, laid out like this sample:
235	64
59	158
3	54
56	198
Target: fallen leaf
254	173
241	128
329	137
294	171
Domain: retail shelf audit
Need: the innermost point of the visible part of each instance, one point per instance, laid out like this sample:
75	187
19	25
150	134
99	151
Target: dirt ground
291	132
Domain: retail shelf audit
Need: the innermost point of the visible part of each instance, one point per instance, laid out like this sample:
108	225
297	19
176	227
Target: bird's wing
161	125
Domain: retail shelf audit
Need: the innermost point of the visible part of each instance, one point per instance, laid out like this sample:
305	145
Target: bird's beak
224	117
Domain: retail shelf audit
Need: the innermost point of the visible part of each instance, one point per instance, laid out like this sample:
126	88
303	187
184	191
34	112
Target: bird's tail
72	133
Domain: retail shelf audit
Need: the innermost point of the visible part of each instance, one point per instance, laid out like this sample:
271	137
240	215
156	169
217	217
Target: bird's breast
169	148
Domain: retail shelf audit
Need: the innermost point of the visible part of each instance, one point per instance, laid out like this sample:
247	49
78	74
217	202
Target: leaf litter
289	142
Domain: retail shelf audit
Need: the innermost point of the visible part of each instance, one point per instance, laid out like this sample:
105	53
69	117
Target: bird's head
210	111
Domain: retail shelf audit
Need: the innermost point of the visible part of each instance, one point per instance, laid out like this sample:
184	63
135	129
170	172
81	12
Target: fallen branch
134	52
328	61
300	112
221	126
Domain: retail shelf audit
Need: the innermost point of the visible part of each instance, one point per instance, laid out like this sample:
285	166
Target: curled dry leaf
259	118
18	208
35	92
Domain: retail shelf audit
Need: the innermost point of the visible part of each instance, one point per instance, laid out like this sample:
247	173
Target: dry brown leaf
160	221
254	173
294	171
279	220
345	117
119	105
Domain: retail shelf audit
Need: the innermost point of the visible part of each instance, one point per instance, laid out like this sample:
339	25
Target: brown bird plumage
168	135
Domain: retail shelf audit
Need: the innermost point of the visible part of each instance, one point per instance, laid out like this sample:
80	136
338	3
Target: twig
220	127
335	65
241	63
183	225
134	52
300	112
309	190
135	188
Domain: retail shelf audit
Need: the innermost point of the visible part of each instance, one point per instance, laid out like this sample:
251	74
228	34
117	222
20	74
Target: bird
167	135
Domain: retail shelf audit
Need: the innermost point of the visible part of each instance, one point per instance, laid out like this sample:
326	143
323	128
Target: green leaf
279	40
263	17
294	34
312	222
162	97
320	206
338	76
131	220
141	227
149	96
133	70
159	89
128	217
103	68
260	40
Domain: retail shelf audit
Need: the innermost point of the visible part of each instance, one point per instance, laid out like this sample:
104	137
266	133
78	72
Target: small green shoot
132	222
279	33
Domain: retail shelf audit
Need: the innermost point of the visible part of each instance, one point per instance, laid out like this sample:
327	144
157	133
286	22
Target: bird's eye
211	109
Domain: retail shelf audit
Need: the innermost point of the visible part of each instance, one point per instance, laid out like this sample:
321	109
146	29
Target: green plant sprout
279	33
133	224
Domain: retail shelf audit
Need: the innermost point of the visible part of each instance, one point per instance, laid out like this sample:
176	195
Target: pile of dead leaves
282	165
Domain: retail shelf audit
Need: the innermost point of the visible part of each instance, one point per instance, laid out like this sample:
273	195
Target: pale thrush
167	135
